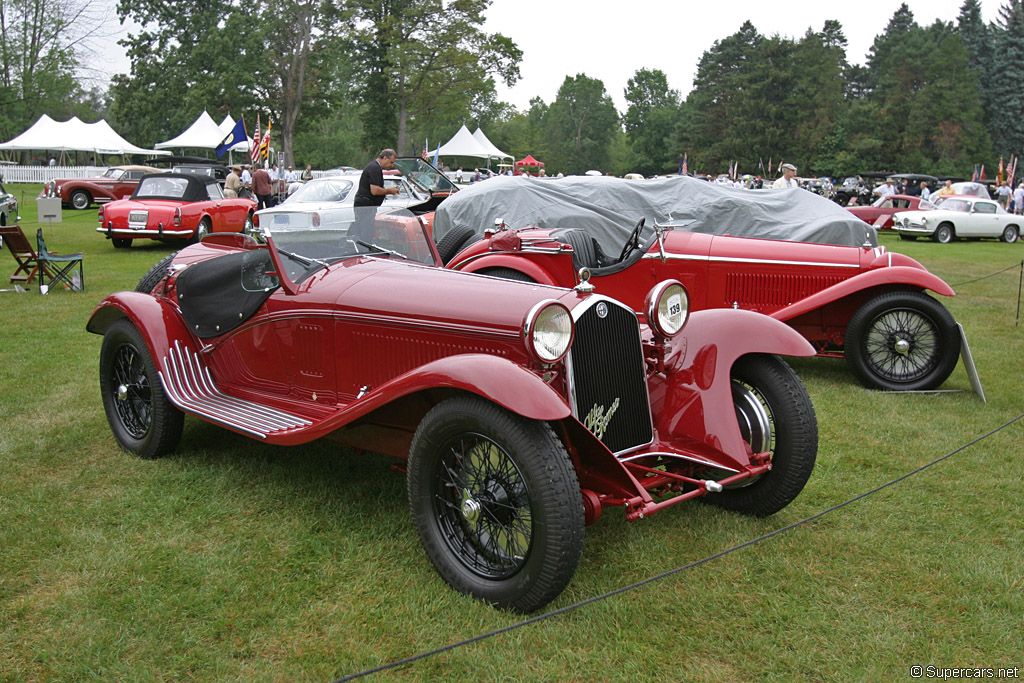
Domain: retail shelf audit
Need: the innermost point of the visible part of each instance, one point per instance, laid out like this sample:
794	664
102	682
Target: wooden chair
23	253
58	267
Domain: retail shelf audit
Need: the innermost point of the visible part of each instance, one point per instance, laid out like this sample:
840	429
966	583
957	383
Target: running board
189	386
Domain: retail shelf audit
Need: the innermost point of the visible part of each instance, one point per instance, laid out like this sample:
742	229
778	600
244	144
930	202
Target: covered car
174	206
789	254
960	216
117	182
518	412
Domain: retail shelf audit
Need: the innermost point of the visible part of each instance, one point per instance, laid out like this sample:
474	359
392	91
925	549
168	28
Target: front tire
1010	234
902	341
496	503
943	234
80	199
776	416
143	421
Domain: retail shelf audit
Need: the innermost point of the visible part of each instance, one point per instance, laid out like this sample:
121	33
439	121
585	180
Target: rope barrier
671	572
985	277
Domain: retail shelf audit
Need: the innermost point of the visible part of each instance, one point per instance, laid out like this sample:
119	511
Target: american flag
254	153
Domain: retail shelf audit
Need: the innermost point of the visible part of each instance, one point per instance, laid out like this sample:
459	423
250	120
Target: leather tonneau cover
218	295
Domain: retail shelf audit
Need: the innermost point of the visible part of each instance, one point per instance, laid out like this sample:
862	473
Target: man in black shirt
371	192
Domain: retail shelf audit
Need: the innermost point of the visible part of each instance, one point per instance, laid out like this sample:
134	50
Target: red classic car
519	411
880	213
174	206
80	193
784	253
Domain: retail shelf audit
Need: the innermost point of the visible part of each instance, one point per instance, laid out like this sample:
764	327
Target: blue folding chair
58	267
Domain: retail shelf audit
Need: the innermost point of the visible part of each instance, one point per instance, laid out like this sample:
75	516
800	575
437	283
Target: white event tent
466	144
204	133
73	135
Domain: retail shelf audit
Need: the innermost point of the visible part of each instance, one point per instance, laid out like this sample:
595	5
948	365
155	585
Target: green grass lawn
235	560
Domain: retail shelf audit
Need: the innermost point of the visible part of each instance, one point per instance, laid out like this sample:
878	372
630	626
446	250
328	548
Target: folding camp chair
58	267
22	251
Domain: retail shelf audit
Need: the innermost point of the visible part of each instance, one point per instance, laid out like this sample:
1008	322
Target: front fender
156	319
902	276
692	401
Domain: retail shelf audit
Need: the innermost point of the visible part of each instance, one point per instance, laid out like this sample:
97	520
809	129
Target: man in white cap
887	189
788	178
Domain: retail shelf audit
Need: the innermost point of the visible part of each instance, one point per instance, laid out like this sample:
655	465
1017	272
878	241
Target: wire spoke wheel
130	386
902	344
483	507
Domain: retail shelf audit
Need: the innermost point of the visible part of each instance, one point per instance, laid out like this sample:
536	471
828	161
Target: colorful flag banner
237	135
254	152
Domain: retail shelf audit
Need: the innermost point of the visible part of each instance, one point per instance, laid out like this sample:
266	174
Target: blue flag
236	135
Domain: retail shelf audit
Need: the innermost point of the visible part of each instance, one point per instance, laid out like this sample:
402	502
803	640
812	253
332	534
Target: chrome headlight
667	307
548	331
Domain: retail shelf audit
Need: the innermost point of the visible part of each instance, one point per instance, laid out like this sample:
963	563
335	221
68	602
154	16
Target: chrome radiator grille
607	376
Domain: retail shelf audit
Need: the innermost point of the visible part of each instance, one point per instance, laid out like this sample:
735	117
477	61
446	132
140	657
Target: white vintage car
962	216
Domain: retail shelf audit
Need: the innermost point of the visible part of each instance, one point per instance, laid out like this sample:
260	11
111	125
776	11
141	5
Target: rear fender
905	277
156	319
527	266
692	401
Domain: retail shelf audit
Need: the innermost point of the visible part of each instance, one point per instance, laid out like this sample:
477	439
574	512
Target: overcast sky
612	40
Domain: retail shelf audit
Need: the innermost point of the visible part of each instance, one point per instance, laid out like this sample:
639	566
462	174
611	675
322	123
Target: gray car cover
609	208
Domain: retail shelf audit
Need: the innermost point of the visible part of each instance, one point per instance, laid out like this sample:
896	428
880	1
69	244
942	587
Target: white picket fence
44	174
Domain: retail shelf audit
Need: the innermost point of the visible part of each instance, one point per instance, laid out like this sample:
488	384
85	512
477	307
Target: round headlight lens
548	331
668	307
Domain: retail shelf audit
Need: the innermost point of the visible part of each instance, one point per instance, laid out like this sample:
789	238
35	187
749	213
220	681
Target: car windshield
394	234
162	187
114	173
424	176
325	190
953	204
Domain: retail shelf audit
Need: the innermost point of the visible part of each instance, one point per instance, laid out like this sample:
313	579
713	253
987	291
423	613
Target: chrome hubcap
902	347
122	392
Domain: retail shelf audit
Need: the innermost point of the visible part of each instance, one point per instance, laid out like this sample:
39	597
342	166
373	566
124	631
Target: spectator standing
289	175
1003	192
925	192
887	189
233	183
307	175
371	192
788	178
1018	198
947	189
246	177
262	187
458	175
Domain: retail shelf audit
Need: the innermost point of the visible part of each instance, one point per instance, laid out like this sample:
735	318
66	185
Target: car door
226	215
984	220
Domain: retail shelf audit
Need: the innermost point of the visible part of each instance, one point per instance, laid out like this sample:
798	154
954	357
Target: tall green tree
1007	98
580	125
425	61
650	120
977	38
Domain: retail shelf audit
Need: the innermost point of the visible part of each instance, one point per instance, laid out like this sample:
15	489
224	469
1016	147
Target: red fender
900	276
497	259
694	401
156	319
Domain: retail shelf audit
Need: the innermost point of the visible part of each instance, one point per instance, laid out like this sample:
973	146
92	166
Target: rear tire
155	274
507	274
143	420
121	242
902	341
1010	234
453	242
202	230
496	503
775	415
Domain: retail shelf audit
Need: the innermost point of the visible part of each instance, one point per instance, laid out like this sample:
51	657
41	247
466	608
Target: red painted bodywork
100	189
170	219
362	349
815	288
882	216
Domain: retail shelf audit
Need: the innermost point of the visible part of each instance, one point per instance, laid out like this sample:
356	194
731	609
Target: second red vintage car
117	182
174	206
881	212
785	253
519	412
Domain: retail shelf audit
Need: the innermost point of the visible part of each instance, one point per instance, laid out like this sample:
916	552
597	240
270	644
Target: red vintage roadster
788	254
174	206
519	411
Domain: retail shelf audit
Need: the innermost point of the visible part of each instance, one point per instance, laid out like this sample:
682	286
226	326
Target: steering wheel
633	242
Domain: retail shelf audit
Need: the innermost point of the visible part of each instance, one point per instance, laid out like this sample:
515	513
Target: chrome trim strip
145	233
726	259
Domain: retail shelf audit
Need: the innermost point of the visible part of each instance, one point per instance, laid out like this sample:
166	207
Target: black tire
202	230
1011	233
775	415
902	341
121	242
155	274
454	241
943	234
909	238
144	422
507	274
80	199
506	528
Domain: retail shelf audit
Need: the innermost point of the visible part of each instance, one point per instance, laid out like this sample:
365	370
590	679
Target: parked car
960	216
174	206
882	211
330	200
519	412
117	182
793	256
8	207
